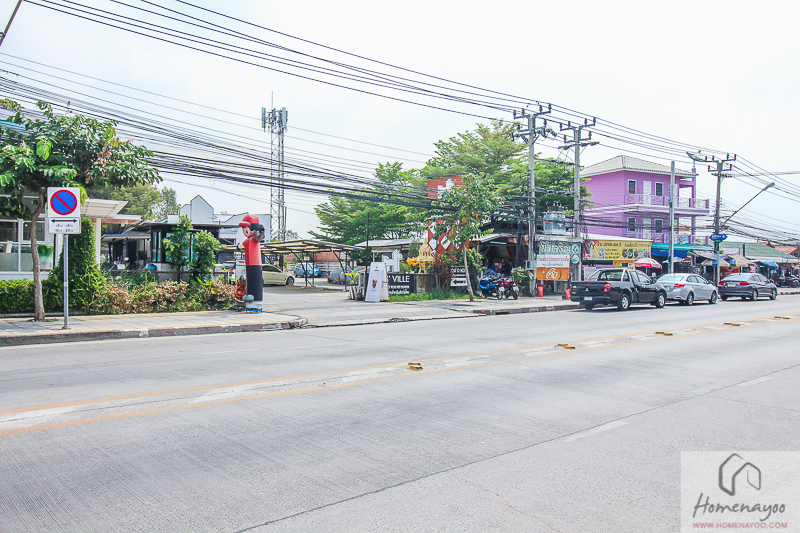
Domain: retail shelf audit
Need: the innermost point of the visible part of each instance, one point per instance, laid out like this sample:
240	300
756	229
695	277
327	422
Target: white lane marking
25	415
231	351
594	431
754	381
224	393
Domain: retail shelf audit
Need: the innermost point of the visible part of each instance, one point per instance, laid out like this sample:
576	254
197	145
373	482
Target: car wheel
290	280
661	300
624	302
724	298
690	299
713	298
588	307
774	294
754	296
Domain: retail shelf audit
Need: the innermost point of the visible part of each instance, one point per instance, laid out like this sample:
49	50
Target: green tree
290	236
54	151
353	220
85	279
178	246
143	199
492	151
468	207
205	249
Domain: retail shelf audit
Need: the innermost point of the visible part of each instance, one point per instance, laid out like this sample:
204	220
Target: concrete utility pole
277	120
577	143
530	135
8	26
672	218
721	169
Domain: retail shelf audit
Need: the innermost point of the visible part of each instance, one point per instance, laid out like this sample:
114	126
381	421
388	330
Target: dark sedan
747	285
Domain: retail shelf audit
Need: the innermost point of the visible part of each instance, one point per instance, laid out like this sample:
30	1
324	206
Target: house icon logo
735	467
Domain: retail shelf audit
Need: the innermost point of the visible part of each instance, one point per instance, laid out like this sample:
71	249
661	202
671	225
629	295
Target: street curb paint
518	310
142	333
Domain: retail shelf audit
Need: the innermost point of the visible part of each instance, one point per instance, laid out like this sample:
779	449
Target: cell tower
276	119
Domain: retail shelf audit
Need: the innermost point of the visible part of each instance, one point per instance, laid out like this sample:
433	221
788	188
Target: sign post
64	218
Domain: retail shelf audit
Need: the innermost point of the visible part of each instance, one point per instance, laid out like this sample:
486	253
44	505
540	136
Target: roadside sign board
64	225
459	278
718	237
63	202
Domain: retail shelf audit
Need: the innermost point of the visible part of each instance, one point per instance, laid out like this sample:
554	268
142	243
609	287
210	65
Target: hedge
16	296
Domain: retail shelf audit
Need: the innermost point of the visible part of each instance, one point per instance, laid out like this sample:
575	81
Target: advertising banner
377	284
401	283
552	273
552	260
608	250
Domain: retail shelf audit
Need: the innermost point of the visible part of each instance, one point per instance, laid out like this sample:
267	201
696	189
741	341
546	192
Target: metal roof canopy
307	246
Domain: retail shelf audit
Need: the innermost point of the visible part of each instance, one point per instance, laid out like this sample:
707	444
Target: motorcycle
490	286
510	287
788	281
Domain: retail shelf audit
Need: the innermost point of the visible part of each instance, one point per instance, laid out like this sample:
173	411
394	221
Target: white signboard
459	278
552	261
377	284
64	225
240	270
63	202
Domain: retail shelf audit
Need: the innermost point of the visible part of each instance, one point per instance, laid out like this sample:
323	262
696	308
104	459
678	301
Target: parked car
618	286
747	285
338	275
307	270
687	288
272	275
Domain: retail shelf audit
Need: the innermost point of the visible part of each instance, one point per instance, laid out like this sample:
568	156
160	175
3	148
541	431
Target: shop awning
769	263
679	250
738	260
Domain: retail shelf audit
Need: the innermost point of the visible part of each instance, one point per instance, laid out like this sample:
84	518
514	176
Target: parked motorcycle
788	281
510	287
490	286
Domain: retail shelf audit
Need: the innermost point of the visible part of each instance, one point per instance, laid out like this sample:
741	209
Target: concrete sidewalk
284	308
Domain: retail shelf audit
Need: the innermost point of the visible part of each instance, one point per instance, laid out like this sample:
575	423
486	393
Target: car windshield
671	277
610	275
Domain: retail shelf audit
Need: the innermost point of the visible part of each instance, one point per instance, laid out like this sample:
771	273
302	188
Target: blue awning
772	264
679	250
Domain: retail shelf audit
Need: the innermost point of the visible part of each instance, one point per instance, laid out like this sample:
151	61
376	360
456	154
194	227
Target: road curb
787	293
143	333
518	310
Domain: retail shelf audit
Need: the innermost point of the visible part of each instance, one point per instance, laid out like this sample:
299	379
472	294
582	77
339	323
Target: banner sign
459	278
572	249
377	284
552	273
626	251
401	283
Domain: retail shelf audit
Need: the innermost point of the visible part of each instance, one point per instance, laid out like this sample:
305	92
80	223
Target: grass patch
436	294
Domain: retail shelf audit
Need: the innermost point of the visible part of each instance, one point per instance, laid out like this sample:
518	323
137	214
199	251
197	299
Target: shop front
558	262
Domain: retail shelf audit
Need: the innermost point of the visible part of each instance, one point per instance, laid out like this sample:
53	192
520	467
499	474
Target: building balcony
663	237
661	203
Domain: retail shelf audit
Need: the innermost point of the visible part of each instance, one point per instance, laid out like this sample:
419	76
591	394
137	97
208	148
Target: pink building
630	198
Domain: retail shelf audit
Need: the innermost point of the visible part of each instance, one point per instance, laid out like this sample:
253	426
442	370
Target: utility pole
577	143
723	165
530	135
672	218
277	120
8	26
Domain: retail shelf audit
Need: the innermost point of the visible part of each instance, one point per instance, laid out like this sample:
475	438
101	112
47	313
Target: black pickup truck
618	286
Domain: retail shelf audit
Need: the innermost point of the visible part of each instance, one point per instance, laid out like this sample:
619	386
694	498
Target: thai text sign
459	278
616	250
571	249
401	283
552	261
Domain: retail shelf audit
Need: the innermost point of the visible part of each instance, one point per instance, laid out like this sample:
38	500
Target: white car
687	288
272	275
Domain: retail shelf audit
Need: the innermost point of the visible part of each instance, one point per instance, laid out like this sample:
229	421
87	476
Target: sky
719	75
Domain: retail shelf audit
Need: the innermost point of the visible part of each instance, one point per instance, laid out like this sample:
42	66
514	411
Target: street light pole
722	225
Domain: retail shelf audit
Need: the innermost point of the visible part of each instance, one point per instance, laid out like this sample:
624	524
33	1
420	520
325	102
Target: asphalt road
328	430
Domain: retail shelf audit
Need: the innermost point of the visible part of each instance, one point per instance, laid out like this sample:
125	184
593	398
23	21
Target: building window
659	189
659	226
631	225
631	187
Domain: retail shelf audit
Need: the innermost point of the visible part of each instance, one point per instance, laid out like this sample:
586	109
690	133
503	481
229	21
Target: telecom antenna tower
276	119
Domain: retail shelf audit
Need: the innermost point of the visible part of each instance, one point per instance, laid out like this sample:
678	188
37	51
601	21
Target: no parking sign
63	210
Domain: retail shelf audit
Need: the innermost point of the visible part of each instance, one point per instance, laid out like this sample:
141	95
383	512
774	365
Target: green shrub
85	280
436	294
16	296
168	297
